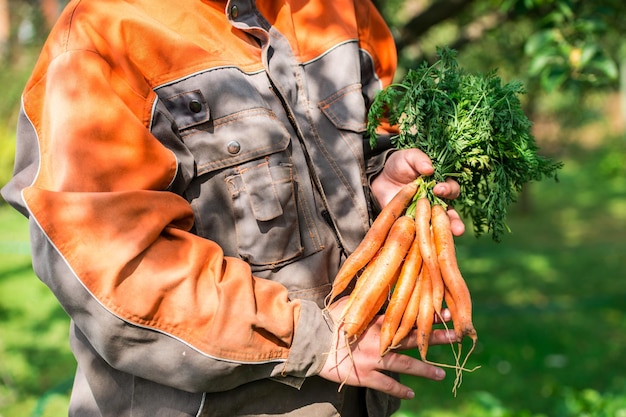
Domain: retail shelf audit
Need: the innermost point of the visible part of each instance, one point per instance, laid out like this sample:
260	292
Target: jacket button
195	106
234	12
233	147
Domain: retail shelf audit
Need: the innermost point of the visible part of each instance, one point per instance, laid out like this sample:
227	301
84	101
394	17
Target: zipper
325	213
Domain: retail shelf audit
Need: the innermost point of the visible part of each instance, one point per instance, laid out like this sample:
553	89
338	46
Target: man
194	173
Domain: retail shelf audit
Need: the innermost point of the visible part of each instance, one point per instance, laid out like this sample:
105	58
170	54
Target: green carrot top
473	128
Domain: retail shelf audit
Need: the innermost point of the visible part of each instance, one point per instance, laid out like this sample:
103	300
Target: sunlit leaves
567	50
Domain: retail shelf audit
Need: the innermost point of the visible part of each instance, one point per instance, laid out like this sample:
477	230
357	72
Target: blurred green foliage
34	350
7	154
548	302
567	51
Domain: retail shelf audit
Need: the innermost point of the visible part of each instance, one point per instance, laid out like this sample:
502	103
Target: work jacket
194	173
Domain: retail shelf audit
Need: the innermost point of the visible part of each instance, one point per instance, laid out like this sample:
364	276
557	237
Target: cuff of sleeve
311	343
374	167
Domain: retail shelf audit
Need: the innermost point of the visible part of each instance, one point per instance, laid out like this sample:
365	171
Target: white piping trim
194	74
38	148
329	50
143	326
201	404
152	113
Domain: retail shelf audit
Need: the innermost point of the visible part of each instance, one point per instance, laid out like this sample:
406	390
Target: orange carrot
400	297
427	248
459	295
354	329
426	315
407	323
373	239
380	278
436	281
450	304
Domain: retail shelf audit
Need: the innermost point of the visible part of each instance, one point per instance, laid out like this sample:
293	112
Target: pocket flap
238	138
345	109
260	187
190	108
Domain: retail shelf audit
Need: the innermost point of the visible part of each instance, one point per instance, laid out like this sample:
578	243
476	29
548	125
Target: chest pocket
265	214
243	193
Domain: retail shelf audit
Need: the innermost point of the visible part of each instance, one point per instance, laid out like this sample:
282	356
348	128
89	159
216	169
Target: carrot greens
473	128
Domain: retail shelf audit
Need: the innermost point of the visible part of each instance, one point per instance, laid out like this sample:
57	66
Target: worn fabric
194	173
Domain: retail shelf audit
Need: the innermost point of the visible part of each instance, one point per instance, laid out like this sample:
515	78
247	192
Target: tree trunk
50	10
438	12
5	28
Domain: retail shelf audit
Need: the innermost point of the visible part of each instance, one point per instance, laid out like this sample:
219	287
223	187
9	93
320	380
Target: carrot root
374	239
425	317
409	317
383	271
400	298
424	235
457	294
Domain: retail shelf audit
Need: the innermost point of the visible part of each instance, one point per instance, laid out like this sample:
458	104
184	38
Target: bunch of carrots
473	128
407	260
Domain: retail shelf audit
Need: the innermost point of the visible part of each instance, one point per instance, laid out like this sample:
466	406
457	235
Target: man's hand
404	166
360	364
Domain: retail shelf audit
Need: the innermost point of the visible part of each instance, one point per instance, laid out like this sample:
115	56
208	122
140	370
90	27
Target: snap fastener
195	106
234	12
233	147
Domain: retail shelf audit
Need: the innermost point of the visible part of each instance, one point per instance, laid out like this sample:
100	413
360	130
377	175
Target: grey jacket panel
274	169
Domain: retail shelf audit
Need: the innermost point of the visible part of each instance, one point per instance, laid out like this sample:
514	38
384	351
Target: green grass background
549	302
549	309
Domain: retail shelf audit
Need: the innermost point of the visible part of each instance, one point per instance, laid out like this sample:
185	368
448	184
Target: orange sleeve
100	197
377	40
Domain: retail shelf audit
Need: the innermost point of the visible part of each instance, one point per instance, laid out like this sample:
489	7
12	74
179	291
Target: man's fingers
456	224
449	189
418	161
388	385
437	337
445	316
442	337
406	365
